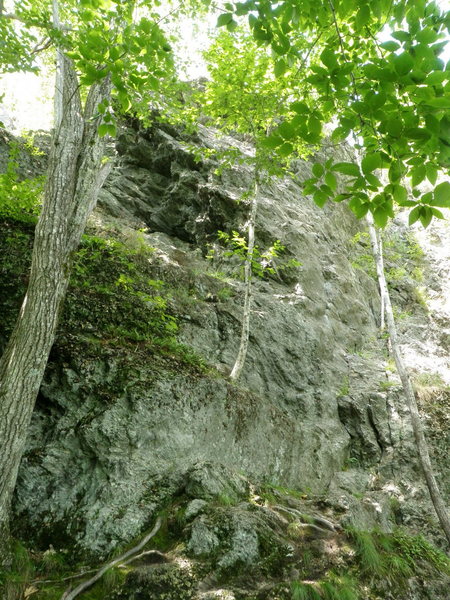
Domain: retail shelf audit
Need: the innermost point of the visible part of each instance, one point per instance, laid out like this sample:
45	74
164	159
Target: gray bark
421	443
245	331
73	180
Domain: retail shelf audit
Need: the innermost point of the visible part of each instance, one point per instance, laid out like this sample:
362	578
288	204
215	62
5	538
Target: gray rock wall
308	412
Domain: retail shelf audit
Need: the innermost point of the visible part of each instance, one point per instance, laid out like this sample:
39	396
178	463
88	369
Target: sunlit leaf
317	169
347	169
414	215
224	19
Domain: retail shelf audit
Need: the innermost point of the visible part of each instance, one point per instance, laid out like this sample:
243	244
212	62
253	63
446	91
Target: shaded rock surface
115	438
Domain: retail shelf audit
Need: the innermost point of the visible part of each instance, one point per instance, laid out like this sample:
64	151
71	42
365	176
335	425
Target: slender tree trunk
73	180
382	303
421	443
245	331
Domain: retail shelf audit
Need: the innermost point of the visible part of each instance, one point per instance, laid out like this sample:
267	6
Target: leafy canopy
392	97
283	71
119	39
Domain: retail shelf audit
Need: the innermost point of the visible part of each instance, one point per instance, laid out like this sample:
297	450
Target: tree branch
44	46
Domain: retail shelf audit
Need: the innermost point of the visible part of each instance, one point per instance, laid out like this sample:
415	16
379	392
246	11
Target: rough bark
73	180
421	443
245	331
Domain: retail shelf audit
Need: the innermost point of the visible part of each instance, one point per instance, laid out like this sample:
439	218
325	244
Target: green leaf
436	77
280	68
320	198
107	129
418	174
347	169
340	133
341	197
414	215
427	198
314	125
432	173
328	58
286	149
224	19
231	26
242	8
403	63
390	46
362	16
282	44
437	213
433	124
272	141
300	107
396	171
418	133
426	36
330	180
400	194
371	162
402	36
441	102
358	207
442	195
380	216
373	181
426	214
287	130
375	100
394	127
317	169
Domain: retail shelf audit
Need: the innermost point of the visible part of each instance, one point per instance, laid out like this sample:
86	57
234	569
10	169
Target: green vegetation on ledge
113	302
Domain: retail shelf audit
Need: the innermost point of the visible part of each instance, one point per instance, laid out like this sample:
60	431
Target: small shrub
19	199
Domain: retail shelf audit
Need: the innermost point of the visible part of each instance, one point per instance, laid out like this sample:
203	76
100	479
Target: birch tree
243	95
410	397
106	59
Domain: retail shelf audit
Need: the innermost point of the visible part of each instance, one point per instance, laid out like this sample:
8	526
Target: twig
341	44
39	48
13	17
71	594
68	578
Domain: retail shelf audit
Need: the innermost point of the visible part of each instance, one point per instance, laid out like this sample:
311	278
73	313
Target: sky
27	98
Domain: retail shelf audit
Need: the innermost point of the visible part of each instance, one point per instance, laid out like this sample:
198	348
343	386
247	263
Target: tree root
71	594
313	521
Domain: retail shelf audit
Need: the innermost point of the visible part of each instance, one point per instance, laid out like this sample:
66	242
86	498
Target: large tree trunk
73	181
245	331
421	443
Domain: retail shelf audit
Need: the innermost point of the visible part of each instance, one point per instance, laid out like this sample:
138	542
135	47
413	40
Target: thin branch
169	14
341	44
71	594
45	45
68	578
13	17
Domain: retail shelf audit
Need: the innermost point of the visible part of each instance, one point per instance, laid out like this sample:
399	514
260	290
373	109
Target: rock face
114	437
